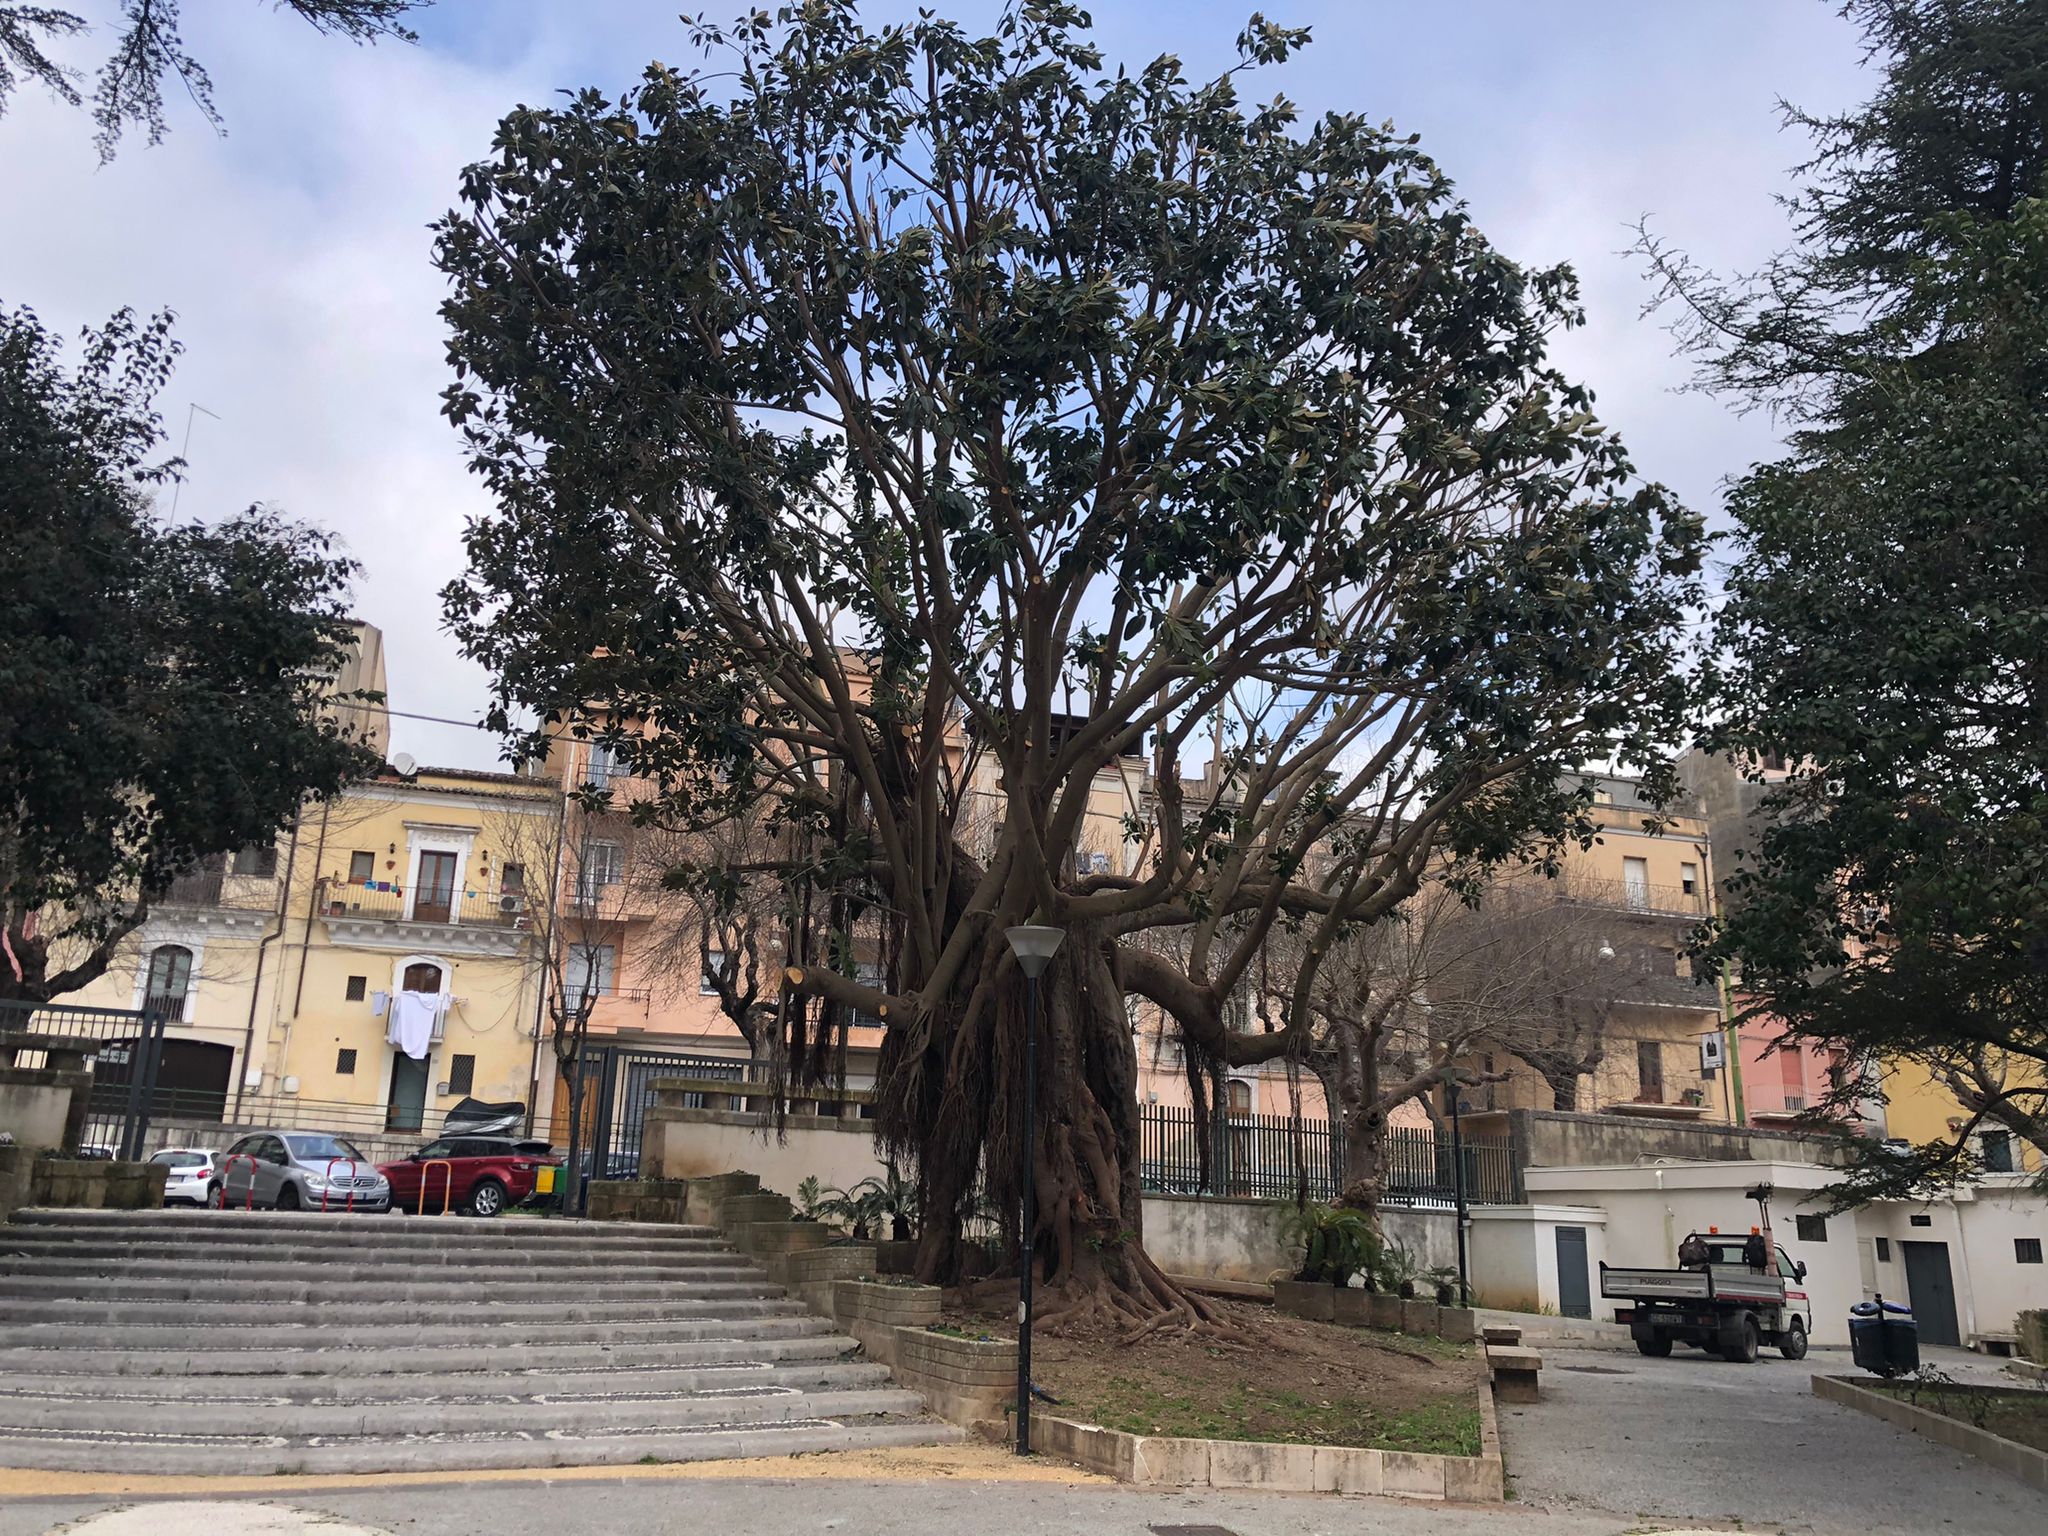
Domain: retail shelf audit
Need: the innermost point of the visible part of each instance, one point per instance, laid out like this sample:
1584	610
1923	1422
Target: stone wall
1245	1240
692	1143
35	1105
1543	1138
965	1380
30	1177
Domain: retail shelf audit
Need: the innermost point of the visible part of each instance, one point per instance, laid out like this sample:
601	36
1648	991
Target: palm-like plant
1337	1242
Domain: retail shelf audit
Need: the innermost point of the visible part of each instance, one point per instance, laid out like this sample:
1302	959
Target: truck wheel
1792	1343
1656	1349
1747	1344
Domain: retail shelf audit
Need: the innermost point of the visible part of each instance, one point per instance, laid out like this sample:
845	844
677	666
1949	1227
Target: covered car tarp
473	1117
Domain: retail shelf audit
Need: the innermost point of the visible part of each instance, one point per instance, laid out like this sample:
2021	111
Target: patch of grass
1250	1411
2013	1413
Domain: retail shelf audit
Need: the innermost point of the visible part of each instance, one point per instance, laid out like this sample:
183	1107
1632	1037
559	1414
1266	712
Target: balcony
219	900
1631	896
476	922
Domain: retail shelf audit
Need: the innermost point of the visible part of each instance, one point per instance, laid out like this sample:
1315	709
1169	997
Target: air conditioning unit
1713	1053
511	905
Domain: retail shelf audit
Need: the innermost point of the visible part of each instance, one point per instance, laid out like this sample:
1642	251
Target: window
1884	1250
345	1061
1240	1096
868	976
168	988
602	865
714	962
604	766
1689	879
512	879
358	989
1919	1221
1635	884
362	867
2026	1250
590	968
1997	1151
1649	1072
1812	1229
461	1073
259	860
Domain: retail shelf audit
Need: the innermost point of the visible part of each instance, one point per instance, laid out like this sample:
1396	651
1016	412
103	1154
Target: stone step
509	1229
447	1253
228	1289
637	1413
385	1314
231	1288
785	1342
340	1271
515	1386
65	1450
203	1334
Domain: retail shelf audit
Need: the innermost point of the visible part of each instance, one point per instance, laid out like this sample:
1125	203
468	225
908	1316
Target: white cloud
296	250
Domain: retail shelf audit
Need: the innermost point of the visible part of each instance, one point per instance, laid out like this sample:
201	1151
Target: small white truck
1731	1295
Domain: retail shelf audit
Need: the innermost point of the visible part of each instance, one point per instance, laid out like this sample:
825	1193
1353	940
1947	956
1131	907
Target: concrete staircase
258	1342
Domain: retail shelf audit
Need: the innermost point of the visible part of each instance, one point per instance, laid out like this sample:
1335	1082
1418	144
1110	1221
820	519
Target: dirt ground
1261	1377
2017	1413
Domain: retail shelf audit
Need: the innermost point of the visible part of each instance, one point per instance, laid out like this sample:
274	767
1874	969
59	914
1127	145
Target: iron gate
121	1048
620	1091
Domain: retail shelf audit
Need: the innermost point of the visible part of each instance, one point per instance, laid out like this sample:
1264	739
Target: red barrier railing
350	1203
228	1162
447	1183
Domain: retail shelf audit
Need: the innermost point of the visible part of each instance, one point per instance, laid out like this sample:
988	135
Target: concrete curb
2022	1461
1159	1461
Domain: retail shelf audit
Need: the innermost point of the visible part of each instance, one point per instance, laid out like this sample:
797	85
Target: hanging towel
412	1023
379	1002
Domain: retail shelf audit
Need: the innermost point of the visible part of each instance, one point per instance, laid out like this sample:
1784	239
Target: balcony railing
426	904
220	888
1630	896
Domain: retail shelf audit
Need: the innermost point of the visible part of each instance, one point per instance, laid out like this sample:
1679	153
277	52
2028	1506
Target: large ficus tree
911	431
1886	629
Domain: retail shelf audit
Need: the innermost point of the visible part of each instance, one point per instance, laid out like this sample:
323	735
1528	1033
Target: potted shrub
1336	1242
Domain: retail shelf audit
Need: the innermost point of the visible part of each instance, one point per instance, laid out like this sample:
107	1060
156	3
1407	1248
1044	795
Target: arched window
168	986
1240	1096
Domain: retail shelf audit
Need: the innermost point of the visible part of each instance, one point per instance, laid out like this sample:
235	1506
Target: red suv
478	1174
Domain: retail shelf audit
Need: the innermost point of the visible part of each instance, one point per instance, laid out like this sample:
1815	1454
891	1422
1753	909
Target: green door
407	1107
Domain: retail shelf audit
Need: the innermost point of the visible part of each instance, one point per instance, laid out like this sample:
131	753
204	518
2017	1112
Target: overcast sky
295	250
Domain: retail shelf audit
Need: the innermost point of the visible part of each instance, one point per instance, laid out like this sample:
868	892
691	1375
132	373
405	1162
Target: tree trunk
960	1101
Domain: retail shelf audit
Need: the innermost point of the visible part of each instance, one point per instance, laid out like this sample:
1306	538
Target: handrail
447	1183
228	1162
350	1203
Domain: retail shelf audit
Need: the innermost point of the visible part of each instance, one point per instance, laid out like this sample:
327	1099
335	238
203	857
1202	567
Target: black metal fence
121	1048
604	1132
1274	1157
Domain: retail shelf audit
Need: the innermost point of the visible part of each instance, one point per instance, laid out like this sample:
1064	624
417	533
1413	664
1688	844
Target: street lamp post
1458	1184
1034	946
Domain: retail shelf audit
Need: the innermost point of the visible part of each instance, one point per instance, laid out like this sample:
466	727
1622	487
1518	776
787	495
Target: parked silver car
191	1176
298	1170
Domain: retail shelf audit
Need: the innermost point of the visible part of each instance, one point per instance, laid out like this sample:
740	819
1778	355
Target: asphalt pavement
1694	1438
1620	1446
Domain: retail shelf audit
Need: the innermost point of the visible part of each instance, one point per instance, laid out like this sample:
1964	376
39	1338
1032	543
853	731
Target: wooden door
433	899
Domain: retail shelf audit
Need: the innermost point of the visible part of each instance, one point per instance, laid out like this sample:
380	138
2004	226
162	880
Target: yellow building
1622	911
288	970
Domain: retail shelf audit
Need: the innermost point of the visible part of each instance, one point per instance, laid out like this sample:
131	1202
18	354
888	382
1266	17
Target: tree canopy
1886	628
162	685
1027	490
148	48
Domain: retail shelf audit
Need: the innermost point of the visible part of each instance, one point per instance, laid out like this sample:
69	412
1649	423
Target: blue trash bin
1883	1338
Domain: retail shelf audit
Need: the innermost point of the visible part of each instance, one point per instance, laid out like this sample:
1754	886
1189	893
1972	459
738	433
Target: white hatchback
190	1170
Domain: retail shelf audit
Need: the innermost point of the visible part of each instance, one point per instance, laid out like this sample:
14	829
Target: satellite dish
403	762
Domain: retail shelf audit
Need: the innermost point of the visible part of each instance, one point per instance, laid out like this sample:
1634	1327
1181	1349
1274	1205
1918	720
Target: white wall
1514	1255
1999	1286
696	1143
1650	1209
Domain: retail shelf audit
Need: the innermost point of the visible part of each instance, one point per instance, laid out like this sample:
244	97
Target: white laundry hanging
413	1015
380	1002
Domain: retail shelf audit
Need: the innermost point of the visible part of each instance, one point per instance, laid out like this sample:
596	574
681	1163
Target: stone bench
1501	1333
1515	1371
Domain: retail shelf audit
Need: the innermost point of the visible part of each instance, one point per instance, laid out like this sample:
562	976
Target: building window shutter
461	1074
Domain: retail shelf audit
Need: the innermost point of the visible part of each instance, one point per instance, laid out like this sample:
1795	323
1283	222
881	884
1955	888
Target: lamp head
1034	945
1605	951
